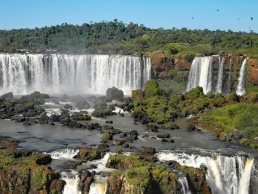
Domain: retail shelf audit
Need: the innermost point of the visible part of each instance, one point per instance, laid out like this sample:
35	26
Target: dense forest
118	37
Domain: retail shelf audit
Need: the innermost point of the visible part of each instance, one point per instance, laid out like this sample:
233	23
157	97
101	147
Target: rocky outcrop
162	64
88	153
86	178
24	172
136	176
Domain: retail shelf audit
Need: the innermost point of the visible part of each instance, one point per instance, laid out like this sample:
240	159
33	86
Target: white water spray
62	73
241	80
225	175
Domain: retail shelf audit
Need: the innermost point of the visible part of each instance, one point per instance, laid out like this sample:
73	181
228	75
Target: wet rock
109	122
148	150
191	127
7	95
43	159
125	145
26	123
120	142
86	178
152	128
97	114
57	185
172	164
103	147
117	131
82	105
68	106
172	127
88	153
71	164
165	135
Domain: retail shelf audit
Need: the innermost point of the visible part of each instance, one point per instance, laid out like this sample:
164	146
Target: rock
68	106
86	178
96	114
165	135
152	128
43	159
26	123
114	93
148	158
7	95
120	142
72	164
148	150
109	122
164	140
88	153
125	145
191	127
82	105
172	127
172	164
57	185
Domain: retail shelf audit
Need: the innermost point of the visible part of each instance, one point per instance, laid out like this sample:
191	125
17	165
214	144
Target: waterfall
201	74
184	183
241	80
72	182
63	73
225	174
220	75
99	186
68	153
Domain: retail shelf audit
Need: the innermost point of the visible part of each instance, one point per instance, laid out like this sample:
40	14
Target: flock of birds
237	19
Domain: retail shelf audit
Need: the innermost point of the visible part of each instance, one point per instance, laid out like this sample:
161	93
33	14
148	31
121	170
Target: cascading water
225	175
72	182
220	75
241	80
184	183
62	73
201	74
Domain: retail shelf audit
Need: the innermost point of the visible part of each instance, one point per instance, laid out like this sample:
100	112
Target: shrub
151	88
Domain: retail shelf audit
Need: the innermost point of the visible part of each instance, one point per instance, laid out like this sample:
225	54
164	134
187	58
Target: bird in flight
249	27
238	19
192	17
251	18
217	10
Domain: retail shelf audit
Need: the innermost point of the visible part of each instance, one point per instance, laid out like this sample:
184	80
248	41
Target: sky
225	15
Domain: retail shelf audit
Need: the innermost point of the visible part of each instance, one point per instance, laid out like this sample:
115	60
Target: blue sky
16	14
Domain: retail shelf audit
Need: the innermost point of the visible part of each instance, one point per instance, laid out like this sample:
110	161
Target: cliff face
253	70
161	65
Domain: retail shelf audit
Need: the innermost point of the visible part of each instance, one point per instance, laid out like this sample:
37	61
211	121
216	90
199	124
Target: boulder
148	150
43	159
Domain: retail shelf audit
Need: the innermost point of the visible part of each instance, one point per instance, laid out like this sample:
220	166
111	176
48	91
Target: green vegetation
118	37
107	135
240	119
146	177
175	82
232	117
151	88
38	179
81	117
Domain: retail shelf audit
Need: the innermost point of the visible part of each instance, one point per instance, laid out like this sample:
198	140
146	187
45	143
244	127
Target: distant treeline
118	37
